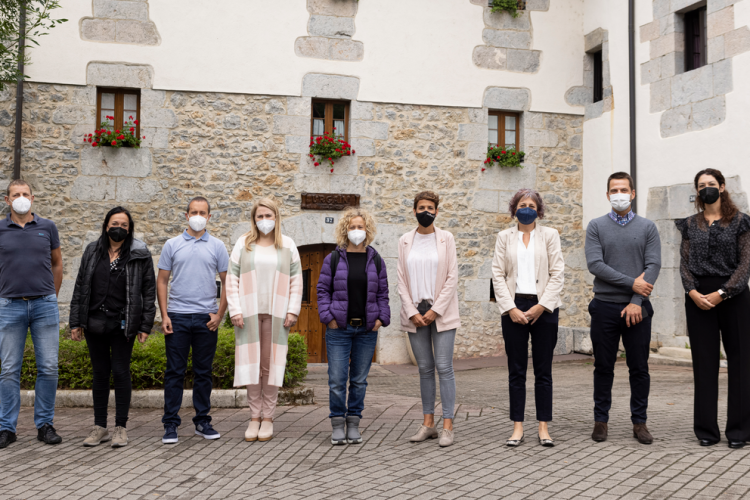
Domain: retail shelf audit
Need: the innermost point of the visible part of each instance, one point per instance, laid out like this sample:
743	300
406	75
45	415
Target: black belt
526	296
356	322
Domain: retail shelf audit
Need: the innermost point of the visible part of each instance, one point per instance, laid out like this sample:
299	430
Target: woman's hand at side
76	334
518	317
290	321
378	324
701	301
142	337
238	321
333	325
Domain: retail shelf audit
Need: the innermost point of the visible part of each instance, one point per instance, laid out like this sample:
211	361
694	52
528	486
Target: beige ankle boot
266	431
251	434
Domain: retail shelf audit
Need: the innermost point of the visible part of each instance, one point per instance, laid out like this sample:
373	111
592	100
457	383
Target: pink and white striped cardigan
241	287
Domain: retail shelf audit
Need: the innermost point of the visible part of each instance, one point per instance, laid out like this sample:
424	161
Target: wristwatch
722	294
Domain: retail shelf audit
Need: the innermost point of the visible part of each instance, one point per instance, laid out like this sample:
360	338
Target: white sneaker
251	434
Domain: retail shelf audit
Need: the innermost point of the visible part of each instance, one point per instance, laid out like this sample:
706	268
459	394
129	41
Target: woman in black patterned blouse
715	268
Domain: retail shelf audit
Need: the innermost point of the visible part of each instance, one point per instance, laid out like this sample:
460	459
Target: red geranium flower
316	163
331	170
131	117
483	169
503	152
114	143
136	122
94	144
144	136
354	151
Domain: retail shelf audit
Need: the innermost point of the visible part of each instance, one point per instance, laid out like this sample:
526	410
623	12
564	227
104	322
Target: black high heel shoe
549	443
515	442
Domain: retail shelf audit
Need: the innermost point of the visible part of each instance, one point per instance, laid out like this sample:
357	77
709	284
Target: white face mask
21	205
619	201
265	226
197	223
357	236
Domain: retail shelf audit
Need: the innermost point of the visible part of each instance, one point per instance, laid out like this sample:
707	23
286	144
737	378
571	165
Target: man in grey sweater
623	252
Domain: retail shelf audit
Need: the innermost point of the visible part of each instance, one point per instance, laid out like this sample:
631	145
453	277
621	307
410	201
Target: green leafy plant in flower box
504	156
329	148
510	6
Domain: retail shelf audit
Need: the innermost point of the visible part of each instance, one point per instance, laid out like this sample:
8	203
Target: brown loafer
600	432
640	432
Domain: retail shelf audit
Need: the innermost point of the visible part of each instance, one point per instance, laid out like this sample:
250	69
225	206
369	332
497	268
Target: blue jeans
189	330
17	317
350	352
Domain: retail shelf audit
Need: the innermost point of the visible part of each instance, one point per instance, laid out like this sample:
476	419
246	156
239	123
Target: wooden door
309	325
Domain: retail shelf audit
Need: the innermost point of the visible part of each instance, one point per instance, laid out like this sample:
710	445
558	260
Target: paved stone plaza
300	462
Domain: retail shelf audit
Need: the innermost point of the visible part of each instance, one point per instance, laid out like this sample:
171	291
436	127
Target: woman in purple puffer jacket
353	303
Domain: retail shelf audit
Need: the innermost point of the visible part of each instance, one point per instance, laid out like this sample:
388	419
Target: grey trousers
434	349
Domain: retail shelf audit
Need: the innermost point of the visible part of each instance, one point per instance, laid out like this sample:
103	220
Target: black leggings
110	356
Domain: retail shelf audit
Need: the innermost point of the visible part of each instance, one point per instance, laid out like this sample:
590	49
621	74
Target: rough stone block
593	110
477	290
137	32
153	98
98	30
159	117
340	8
330	86
477	151
489	57
299	106
291	125
722	74
651	71
541	138
71	115
661	96
579	96
594	40
672	23
346	165
361	110
93	188
675	121
708	113
478	115
486	201
121	9
313	183
679	5
692	86
372	130
116	162
720	22
672	64
524	61
736	42
295	144
660	8
507	39
363	147
539	5
331	26
353	184
119	75
232	122
650	31
715	5
473	132
504	21
508	180
386	241
243	227
507	99
334	49
715	50
155	138
665	44
575	141
137	190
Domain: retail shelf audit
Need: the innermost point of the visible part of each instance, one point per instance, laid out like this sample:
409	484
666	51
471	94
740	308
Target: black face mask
709	195
117	234
425	218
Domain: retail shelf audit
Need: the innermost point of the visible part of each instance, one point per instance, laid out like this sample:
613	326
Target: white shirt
265	272
422	264
526	282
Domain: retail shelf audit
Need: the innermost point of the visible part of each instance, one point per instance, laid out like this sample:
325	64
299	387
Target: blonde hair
252	236
342	229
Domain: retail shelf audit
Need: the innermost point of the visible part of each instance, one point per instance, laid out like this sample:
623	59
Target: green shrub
510	6
149	362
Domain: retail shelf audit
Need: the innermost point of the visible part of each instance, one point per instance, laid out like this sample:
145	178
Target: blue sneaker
204	429
170	434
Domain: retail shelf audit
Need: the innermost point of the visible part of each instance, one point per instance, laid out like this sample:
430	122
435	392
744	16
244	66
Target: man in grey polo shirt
191	317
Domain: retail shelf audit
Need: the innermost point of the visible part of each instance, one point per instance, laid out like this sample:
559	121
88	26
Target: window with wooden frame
120	104
330	115
695	39
505	129
598	76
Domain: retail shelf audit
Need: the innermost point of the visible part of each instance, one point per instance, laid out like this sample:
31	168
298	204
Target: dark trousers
543	341
729	322
607	326
110	354
189	330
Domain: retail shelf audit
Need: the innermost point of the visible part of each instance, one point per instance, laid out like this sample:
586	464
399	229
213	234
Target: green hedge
149	363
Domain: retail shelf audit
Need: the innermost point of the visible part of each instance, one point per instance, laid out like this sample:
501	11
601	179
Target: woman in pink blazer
428	286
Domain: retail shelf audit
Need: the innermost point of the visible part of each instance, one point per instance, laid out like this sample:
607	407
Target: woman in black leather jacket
113	303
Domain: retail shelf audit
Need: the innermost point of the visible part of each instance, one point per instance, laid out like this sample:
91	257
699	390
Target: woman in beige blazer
527	274
428	286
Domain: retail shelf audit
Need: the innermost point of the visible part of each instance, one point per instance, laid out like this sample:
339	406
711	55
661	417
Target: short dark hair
621	175
198	198
18	182
428	196
527	193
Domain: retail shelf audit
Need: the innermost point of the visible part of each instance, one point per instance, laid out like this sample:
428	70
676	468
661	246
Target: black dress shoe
736	444
708	442
6	437
47	434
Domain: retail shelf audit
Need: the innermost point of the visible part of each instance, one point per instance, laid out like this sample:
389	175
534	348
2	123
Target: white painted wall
416	51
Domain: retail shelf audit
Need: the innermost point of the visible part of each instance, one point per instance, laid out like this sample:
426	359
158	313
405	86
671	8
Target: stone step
676	352
661	359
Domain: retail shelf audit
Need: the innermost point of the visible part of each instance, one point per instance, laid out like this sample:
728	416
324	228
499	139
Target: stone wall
120	21
235	148
331	28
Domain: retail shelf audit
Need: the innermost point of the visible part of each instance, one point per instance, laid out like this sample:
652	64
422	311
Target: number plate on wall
326	201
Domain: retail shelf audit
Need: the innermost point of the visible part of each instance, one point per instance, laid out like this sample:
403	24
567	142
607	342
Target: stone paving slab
300	462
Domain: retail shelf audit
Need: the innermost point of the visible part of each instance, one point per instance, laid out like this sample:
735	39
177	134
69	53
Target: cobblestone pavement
300	462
